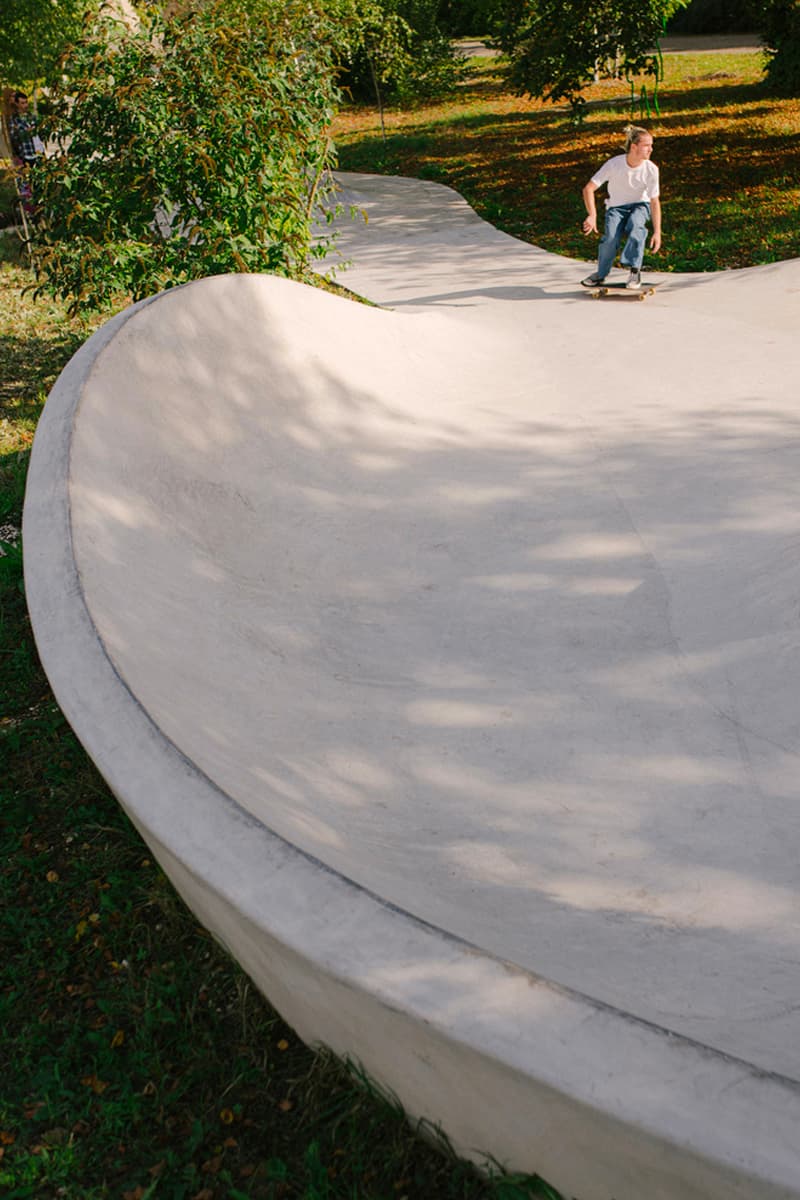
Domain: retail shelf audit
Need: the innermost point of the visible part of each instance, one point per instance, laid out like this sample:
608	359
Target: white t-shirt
628	185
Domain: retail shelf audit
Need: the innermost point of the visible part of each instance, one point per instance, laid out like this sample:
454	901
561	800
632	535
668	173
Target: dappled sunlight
461	987
716	900
482	494
533	581
672	769
495	648
660	677
592	546
130	513
491	863
521	164
456	714
322	833
776	517
363	771
379	463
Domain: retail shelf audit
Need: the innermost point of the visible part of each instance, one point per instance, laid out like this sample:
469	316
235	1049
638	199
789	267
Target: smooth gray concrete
446	655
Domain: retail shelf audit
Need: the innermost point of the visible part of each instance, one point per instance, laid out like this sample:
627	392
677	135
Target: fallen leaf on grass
98	1086
55	1137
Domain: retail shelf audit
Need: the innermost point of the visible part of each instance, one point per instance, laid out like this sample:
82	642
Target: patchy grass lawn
137	1062
729	157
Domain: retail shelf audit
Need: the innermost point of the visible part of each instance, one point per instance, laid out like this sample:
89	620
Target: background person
633	200
26	145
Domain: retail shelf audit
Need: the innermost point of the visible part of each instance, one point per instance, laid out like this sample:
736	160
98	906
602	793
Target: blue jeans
629	221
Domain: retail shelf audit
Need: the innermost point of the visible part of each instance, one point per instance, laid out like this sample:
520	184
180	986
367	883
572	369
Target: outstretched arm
655	213
590	224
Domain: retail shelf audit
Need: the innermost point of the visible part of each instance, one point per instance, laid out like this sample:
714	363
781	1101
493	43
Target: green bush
33	34
466	18
714	16
400	52
779	24
192	145
557	47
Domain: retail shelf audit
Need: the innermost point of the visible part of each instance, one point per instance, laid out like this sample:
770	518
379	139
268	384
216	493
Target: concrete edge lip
596	1101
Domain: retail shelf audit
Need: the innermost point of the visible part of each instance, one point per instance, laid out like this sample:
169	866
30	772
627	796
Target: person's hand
590	225
655	243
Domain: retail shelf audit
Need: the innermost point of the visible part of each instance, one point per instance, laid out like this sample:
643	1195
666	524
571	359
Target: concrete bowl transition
445	652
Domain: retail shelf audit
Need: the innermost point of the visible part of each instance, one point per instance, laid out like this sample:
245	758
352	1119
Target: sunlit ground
729	156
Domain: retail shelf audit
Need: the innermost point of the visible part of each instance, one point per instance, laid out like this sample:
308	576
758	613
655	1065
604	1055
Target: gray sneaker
634	280
592	281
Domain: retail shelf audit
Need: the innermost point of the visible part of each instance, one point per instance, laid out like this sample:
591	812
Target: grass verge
729	156
137	1060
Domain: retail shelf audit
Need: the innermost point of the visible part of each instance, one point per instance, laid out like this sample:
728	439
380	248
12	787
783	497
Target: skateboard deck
620	289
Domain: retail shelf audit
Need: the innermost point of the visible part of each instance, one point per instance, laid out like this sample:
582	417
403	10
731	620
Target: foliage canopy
779	22
33	34
558	47
399	49
715	16
196	144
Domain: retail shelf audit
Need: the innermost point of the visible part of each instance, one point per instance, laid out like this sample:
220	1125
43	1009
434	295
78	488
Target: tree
467	18
33	34
556	47
714	16
779	23
397	49
195	144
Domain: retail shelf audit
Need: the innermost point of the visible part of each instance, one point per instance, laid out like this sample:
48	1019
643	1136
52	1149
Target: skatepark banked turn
446	655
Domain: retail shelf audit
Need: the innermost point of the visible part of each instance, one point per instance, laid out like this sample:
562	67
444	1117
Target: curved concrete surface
446	654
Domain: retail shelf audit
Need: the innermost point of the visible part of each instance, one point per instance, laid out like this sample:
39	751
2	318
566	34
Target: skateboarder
633	199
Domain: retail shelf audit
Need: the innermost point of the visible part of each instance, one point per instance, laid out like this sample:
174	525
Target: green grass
729	156
136	1059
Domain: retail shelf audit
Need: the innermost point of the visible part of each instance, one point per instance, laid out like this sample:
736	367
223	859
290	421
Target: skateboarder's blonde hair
633	134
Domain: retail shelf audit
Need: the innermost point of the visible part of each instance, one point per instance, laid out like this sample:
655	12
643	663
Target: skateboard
620	289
